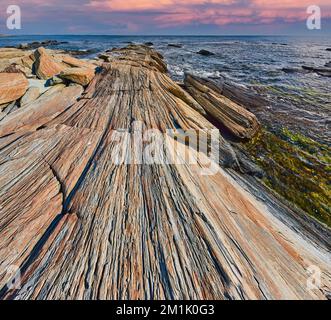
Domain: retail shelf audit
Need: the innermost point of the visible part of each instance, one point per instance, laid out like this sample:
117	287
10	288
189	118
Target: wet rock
45	66
328	64
205	53
104	57
12	86
175	45
149	44
31	95
82	76
247	166
78	53
328	49
325	72
37	44
293	70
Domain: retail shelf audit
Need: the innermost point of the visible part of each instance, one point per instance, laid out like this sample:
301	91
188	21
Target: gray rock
174	45
205	53
325	72
31	95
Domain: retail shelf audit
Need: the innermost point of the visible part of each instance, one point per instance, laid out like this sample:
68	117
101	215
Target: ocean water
298	100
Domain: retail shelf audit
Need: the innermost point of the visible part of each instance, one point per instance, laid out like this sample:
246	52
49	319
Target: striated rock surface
239	121
12	86
80	226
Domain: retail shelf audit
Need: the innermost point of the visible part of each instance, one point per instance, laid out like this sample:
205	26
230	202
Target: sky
166	17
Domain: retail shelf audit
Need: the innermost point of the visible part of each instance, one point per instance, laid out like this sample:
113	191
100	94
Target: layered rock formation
80	226
240	122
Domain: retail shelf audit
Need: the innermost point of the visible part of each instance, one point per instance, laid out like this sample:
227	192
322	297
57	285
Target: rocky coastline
80	227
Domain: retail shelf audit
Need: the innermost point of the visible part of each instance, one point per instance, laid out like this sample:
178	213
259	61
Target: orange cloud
142	5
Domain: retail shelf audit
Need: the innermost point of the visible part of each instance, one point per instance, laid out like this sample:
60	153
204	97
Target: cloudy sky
166	16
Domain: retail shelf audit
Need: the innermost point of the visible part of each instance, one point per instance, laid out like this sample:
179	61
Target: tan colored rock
13	56
82	76
12	86
45	65
10	53
76	63
28	61
31	95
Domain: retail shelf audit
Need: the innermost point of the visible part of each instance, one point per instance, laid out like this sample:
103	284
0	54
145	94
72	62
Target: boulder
328	49
45	65
82	76
12	86
206	53
31	95
149	44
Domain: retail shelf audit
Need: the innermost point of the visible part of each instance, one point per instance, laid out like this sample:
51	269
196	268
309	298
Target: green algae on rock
296	167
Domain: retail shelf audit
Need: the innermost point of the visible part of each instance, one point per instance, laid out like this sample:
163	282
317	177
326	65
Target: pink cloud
218	12
137	14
